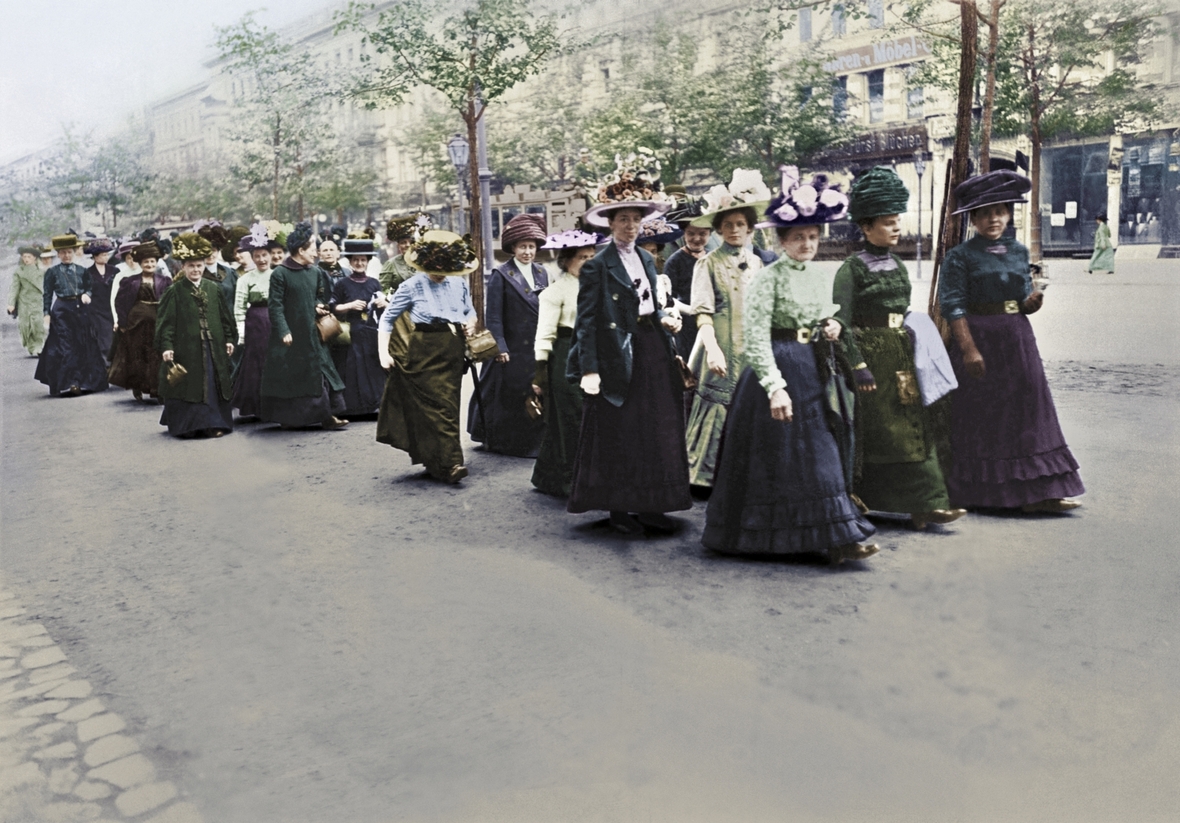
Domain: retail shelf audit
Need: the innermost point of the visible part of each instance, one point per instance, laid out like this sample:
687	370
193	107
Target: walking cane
478	396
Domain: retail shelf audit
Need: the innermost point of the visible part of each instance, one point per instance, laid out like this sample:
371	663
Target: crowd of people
636	380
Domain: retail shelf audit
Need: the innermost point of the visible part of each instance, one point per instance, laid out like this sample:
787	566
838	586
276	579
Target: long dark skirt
1007	443
185	418
136	364
364	379
104	327
301	412
503	389
900	471
554	470
780	487
248	374
420	408
71	357
632	457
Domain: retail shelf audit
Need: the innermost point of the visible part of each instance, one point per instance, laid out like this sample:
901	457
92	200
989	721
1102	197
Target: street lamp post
459	150
485	190
919	167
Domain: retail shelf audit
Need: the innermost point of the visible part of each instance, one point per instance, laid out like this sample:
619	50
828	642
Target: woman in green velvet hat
898	468
25	298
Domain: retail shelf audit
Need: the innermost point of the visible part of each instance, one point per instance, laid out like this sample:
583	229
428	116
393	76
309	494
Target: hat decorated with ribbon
523	227
634	184
408	227
61	242
359	247
805	204
746	190
574	239
442	252
98	245
658	230
256	238
191	246
685	211
879	191
993	188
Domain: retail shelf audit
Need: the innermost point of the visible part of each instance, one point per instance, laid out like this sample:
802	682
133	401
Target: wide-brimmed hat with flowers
746	190
256	240
634	184
442	252
659	230
805	204
574	239
98	245
408	227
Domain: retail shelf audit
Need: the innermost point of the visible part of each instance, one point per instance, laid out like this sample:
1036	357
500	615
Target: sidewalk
63	756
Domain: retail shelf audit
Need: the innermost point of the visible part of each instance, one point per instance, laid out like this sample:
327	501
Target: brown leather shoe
456	474
333	423
852	551
1054	505
920	519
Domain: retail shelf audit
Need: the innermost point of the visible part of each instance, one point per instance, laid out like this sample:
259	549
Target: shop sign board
878	55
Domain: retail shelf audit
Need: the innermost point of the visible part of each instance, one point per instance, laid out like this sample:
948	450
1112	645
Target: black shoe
657	522
624	523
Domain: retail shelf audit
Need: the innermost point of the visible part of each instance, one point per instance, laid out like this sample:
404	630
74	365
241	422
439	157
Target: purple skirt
248	379
1007	444
633	457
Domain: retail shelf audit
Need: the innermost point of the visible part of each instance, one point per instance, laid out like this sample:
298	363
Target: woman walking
420	407
252	318
505	383
1008	447
1103	258
561	400
781	486
195	335
71	362
300	385
900	471
136	364
357	300
25	300
102	277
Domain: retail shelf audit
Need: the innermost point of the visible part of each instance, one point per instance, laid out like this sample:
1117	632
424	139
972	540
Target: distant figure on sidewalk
1103	258
25	299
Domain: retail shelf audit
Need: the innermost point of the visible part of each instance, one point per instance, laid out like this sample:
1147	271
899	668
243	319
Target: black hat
358	247
990	189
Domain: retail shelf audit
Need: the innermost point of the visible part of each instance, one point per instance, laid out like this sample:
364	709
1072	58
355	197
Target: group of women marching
732	372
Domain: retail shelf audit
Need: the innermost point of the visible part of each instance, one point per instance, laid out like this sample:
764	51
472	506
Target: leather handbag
328	327
175	374
690	379
345	336
482	346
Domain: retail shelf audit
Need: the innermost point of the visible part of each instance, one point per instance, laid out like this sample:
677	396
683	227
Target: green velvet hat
191	246
877	192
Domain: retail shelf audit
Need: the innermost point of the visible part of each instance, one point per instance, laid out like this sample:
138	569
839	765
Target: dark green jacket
608	314
178	329
297	370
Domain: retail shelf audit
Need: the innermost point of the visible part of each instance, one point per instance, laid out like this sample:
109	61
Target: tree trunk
952	229
989	97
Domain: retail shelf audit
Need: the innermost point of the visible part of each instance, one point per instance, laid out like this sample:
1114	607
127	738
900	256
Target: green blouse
869	283
787	294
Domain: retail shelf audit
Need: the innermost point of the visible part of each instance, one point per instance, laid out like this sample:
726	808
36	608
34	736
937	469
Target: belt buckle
803	335
1011	307
896	320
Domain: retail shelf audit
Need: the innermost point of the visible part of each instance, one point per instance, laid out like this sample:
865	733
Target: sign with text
877	55
891	144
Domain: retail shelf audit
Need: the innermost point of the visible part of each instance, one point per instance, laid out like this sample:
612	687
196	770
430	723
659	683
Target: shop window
913	103
876	14
839	21
876	84
805	25
840	97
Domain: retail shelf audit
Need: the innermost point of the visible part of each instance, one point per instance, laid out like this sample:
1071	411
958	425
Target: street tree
281	120
471	57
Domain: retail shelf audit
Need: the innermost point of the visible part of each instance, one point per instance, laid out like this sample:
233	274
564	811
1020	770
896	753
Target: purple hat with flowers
98	245
805	204
257	239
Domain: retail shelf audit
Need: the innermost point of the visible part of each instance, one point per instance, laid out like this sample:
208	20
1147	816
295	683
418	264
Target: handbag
482	346
534	407
345	336
176	373
328	327
686	374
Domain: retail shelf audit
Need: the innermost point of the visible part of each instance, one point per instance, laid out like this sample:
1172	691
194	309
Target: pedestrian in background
25	300
136	364
679	268
1103	257
357	299
506	381
252	318
561	400
782	483
1008	447
420	408
195	335
70	363
102	276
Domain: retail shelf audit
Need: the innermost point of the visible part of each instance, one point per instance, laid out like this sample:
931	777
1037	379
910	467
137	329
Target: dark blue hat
990	189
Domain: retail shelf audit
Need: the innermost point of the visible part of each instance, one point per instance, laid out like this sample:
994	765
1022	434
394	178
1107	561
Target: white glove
591	383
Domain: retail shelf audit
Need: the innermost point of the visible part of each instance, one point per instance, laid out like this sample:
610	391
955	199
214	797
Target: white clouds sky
94	62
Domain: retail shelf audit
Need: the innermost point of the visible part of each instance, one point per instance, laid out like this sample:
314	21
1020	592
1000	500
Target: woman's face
66	255
735	230
801	243
306	255
329	252
211	261
695	237
651	248
148	264
358	263
884	231
261	259
101	258
574	266
990	221
525	251
276	257
27	259
625	223
403	246
244	258
193	269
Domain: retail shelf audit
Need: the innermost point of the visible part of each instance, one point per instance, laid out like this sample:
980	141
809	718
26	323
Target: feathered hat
523	227
442	252
879	191
746	190
634	184
255	239
805	204
191	246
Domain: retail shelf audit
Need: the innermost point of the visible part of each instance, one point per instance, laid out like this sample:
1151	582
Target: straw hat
442	252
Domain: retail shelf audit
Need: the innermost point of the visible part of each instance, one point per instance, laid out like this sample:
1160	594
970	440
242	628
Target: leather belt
1004	307
69	297
564	331
797	335
886	320
437	327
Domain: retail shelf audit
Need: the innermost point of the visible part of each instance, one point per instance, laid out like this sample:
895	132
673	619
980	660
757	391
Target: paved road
297	627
